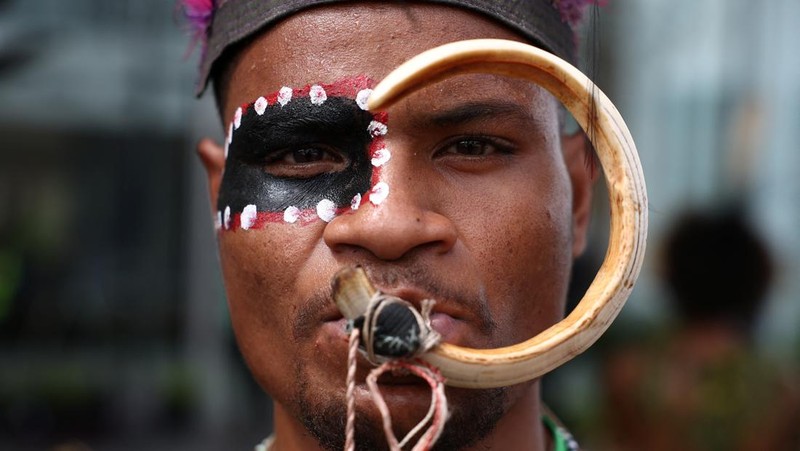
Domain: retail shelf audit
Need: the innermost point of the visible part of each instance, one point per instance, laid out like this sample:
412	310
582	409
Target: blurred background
113	324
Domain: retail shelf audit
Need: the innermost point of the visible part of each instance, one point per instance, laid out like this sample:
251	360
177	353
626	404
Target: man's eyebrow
478	111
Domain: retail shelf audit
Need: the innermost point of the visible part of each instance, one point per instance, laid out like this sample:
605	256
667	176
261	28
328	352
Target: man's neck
521	427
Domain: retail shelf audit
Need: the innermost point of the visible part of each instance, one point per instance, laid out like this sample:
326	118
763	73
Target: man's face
464	197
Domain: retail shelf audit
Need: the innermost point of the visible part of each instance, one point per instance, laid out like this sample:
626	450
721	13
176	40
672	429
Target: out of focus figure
701	385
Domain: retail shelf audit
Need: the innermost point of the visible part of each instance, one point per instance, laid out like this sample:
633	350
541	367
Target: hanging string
352	353
407	342
437	412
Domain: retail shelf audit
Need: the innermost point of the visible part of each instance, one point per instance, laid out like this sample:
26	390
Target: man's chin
473	414
408	403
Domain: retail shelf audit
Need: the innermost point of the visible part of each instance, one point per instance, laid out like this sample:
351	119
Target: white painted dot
248	217
381	157
291	214
227	218
362	97
379	193
218	220
318	95
284	95
356	202
260	105
326	210
237	118
376	128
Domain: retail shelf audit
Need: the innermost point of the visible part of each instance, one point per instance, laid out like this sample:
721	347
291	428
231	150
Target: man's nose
405	221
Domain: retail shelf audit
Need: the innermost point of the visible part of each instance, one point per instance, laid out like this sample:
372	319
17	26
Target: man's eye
305	162
476	147
308	155
473	147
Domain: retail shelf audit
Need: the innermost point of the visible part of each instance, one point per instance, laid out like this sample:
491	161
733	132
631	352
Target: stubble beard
473	415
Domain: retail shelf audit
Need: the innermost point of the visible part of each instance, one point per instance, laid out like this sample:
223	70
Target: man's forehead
546	23
294	54
457	99
466	98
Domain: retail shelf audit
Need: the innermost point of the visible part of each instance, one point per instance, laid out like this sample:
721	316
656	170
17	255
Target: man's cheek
266	258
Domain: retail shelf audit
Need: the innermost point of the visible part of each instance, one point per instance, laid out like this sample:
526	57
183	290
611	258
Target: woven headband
219	24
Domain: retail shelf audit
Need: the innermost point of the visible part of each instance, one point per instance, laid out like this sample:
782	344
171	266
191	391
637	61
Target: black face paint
301	126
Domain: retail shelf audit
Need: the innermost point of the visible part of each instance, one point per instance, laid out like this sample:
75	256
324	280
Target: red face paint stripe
378	142
347	87
307	216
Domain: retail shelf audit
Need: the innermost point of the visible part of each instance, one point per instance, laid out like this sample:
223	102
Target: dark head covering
223	23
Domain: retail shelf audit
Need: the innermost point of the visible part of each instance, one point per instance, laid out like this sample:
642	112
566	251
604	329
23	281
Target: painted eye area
299	155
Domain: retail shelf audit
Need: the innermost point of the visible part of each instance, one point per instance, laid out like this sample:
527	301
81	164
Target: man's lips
335	332
445	314
447	325
457	315
453	329
444	324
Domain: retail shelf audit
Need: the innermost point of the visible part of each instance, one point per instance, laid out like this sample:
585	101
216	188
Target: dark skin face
487	208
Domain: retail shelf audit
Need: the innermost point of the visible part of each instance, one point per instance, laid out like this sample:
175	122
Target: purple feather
197	16
572	10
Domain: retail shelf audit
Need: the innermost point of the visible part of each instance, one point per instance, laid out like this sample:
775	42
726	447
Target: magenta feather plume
198	13
196	17
572	10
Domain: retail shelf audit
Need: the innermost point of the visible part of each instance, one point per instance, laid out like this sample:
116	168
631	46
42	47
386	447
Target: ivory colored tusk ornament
485	368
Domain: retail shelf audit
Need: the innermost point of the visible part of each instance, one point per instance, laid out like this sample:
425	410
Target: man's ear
213	157
582	173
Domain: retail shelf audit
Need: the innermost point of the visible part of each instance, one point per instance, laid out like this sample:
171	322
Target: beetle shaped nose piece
390	327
